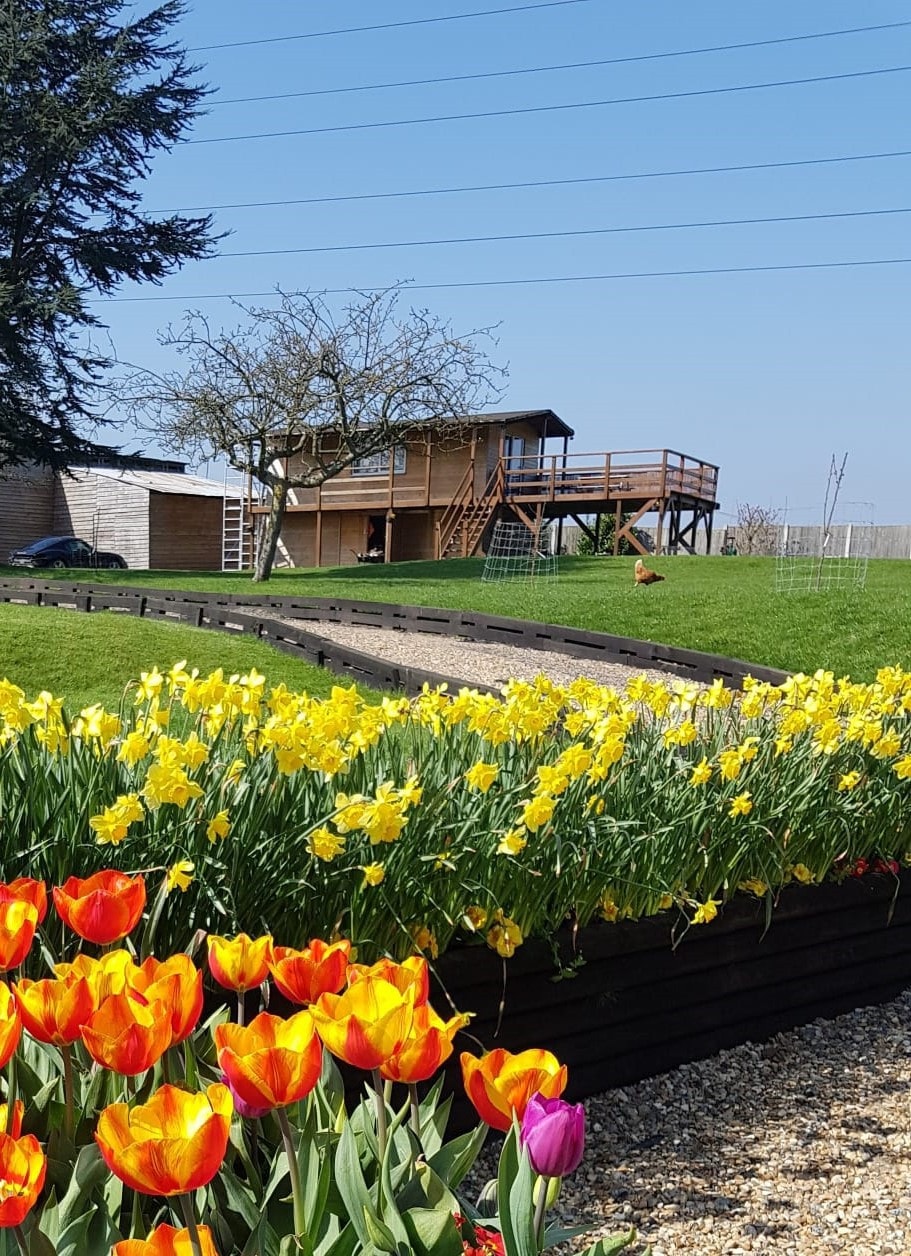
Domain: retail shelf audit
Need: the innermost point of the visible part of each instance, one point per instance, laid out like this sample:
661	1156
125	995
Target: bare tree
296	395
757	528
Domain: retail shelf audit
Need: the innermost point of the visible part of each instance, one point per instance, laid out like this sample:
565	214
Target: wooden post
553	477
387	552
391	476
428	464
618	524
659	532
474	450
318	545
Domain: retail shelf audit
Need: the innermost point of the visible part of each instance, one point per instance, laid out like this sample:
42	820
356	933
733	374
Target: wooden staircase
465	519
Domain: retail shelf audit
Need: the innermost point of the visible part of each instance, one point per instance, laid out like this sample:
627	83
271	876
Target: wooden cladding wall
185	532
107	513
26	507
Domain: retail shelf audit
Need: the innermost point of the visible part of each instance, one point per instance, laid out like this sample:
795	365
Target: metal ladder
236	529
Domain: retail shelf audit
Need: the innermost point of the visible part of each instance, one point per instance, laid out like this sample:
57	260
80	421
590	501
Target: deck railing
633	473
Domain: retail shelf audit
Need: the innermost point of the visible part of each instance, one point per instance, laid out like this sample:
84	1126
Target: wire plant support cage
518	552
815	557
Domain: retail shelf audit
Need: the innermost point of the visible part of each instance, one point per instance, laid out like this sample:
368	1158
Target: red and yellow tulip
18	922
271	1062
102	908
500	1083
239	963
128	1033
368	1024
10	1026
165	1240
412	972
55	1011
177	983
22	1170
427	1046
303	976
26	890
172	1144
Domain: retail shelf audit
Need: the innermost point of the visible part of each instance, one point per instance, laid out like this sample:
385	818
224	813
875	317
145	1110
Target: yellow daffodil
482	775
218	827
706	912
180	876
742	805
373	874
701	773
323	844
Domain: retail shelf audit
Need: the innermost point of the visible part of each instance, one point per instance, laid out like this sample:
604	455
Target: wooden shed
157	520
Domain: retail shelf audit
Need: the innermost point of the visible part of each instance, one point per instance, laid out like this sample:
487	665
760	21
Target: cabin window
378	463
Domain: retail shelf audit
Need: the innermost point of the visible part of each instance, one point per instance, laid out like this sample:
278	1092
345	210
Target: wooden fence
249	613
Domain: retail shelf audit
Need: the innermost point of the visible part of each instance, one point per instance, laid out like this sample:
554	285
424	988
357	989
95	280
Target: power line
547	279
536	183
389	26
555	235
571	65
532	109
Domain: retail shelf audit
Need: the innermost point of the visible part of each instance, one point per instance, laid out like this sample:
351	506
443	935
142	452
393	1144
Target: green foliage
92	658
91	93
604	529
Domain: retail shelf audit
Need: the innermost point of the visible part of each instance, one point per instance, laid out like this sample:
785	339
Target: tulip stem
12	1082
240	1007
294	1171
541	1208
69	1102
381	1127
186	1207
20	1239
415	1102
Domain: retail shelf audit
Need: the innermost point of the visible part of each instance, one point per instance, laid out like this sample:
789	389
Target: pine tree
89	95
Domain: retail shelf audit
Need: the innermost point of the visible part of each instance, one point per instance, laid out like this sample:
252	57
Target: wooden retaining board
639	1006
471	625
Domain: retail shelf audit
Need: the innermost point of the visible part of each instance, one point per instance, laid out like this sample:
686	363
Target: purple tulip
246	1110
553	1134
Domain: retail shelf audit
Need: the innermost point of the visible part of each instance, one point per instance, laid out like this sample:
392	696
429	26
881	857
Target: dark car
63	551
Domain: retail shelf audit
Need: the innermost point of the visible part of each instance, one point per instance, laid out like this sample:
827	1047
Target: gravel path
800	1146
473	662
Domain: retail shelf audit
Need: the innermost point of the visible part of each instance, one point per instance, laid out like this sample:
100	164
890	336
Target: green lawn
724	605
89	658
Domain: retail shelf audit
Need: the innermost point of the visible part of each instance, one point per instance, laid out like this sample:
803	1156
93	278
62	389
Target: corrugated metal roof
163	482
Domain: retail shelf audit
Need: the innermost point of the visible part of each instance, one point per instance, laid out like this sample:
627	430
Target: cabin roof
546	421
162	481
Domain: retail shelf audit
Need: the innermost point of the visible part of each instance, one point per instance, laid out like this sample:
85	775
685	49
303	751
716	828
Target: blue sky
766	374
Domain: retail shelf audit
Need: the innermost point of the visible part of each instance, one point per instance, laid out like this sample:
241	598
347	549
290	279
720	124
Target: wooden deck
567	479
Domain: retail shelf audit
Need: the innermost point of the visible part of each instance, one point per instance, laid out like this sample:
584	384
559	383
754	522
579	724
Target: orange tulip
500	1083
113	973
302	976
10	1026
271	1062
22	1169
55	1011
172	1144
239	963
15	1128
128	1033
177	983
165	1240
102	908
427	1046
413	971
368	1024
26	890
18	922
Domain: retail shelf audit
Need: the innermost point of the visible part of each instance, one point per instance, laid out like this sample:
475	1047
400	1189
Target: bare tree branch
295	394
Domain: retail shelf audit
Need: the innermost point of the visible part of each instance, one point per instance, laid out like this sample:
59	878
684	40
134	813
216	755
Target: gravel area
797	1146
472	662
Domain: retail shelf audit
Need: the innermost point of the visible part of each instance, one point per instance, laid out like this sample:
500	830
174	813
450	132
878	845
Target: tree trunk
266	556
